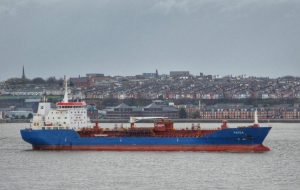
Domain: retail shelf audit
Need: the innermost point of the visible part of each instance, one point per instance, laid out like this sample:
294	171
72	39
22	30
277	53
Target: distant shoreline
207	121
177	121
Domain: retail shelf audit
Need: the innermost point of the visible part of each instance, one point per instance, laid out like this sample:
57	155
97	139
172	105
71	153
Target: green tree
16	81
51	80
161	97
30	116
182	113
195	114
38	80
110	102
71	84
60	82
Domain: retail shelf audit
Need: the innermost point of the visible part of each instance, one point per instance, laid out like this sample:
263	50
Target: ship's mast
255	118
66	90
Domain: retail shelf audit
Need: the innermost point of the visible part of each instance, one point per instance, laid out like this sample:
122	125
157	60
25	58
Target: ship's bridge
70	104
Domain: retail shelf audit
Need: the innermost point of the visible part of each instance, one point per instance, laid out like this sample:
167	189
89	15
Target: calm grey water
22	168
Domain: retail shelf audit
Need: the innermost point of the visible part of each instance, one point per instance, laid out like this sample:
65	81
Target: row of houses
181	84
249	114
176	85
32	92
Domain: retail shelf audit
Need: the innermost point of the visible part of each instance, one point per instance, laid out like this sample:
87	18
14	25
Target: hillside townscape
178	94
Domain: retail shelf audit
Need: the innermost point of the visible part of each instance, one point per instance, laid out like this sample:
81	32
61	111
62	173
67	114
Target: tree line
37	80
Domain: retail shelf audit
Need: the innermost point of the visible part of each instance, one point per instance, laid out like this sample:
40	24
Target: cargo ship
67	127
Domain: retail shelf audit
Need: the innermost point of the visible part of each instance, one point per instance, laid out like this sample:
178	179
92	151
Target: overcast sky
129	37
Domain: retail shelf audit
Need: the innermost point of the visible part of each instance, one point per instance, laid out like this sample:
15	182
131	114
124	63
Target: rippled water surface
22	168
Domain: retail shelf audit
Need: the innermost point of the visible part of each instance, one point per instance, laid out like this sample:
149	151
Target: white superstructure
66	115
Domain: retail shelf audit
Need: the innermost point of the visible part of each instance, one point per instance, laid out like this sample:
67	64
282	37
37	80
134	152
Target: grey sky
128	37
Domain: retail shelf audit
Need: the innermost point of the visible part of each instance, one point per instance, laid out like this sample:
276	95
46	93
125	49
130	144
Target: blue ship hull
229	139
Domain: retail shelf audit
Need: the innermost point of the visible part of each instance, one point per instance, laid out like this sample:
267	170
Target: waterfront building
155	109
179	73
79	82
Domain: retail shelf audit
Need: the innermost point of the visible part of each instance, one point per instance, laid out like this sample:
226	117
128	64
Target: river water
21	168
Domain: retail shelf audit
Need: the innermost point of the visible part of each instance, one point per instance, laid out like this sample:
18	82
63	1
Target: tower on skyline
23	74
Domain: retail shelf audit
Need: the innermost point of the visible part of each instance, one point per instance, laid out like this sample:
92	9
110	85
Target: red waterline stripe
221	148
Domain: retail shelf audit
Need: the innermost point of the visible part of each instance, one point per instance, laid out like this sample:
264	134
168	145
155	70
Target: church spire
23	73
